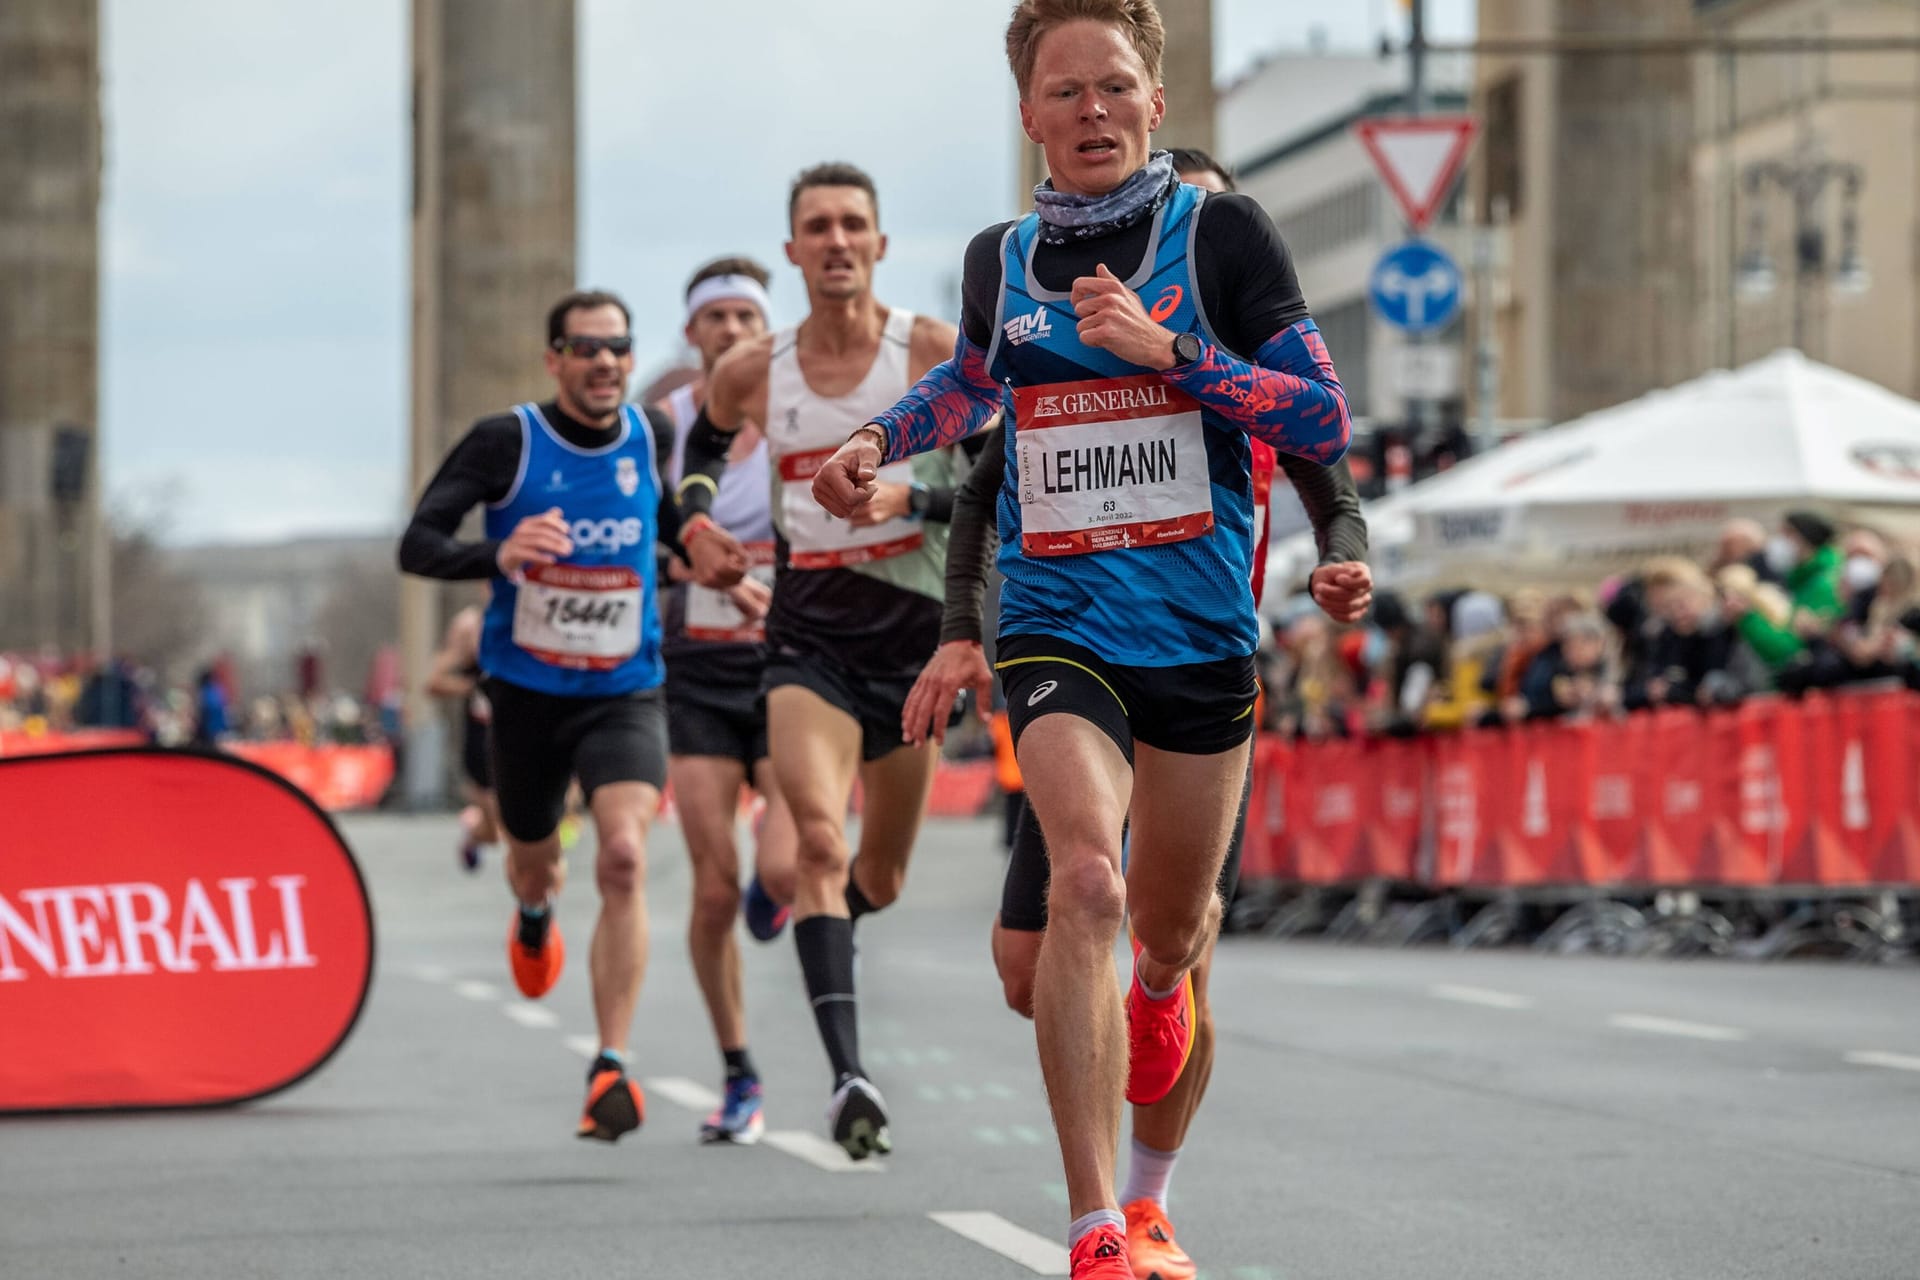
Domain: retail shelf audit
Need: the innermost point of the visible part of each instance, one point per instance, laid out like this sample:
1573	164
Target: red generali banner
175	931
1823	792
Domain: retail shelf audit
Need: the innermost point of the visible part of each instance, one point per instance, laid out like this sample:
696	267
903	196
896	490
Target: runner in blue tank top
576	510
1134	364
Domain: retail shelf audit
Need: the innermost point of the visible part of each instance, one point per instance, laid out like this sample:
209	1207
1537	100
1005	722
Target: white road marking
1320	977
1482	996
1022	1133
476	990
683	1092
430	972
1037	1254
1880	1058
1676	1027
532	1015
585	1046
819	1152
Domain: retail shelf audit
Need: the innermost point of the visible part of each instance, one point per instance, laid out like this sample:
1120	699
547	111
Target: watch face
1187	347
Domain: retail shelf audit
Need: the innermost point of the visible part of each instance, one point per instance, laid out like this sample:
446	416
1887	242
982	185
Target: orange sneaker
1151	1247
615	1105
535	954
1159	1038
1101	1255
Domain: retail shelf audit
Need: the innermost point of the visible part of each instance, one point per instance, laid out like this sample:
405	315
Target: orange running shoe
535	953
1151	1247
1159	1038
615	1104
1101	1255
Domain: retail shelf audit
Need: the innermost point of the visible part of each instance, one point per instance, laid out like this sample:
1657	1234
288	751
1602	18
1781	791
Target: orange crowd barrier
43	744
337	777
1820	792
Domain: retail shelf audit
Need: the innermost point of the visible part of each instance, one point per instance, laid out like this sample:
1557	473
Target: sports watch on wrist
1187	348
919	498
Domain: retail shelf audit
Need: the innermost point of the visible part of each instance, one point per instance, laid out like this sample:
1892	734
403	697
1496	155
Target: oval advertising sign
175	931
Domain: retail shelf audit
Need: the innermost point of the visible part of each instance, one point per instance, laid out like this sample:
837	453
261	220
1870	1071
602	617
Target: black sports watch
919	498
1187	348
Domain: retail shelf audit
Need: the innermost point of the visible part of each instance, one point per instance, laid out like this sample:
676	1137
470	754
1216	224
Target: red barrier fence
336	777
45	744
1820	792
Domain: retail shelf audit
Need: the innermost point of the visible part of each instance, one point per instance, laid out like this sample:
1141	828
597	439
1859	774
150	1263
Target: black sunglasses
583	348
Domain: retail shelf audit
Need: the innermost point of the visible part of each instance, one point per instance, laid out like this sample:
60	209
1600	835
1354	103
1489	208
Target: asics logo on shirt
611	534
1023	329
1045	687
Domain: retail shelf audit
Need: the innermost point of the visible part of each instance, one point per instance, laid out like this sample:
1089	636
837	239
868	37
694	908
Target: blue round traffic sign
1416	287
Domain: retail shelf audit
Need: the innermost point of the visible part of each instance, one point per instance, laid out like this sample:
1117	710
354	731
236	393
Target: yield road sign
1419	158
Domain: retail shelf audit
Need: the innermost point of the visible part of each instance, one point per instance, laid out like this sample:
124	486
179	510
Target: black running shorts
541	742
728	721
1023	897
475	754
875	702
1201	709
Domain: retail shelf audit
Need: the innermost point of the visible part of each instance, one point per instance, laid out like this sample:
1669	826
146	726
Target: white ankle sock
1156	996
1085	1225
1148	1174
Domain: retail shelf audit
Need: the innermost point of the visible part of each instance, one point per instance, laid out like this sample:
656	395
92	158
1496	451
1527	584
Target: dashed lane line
1036	1253
532	1015
1881	1058
1676	1027
819	1152
1482	996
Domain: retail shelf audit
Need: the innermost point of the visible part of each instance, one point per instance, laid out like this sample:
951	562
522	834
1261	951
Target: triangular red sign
1419	158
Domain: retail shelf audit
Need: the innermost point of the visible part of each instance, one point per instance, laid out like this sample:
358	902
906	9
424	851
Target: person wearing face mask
1803	552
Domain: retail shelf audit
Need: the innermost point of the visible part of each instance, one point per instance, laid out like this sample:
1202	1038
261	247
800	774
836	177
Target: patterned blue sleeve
1288	397
955	400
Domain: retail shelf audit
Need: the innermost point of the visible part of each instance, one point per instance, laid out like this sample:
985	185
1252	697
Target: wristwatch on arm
1187	348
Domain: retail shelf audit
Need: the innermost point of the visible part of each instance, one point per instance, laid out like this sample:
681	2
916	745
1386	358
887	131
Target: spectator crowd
47	694
1805	606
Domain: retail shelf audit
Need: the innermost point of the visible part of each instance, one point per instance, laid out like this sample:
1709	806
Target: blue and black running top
1126	520
587	627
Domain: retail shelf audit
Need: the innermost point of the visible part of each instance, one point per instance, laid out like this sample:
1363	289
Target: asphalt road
1373	1114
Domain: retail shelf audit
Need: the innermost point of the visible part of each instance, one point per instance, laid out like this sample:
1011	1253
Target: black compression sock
739	1064
534	923
858	904
826	961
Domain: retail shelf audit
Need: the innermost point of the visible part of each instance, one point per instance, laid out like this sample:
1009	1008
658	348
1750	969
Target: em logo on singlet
1024	329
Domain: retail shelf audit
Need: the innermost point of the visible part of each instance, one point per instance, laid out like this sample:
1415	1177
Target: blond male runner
1145	330
856	603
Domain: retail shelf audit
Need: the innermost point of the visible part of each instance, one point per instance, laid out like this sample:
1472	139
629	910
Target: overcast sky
255	276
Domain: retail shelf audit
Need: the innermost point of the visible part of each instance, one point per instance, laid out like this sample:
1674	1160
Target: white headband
729	289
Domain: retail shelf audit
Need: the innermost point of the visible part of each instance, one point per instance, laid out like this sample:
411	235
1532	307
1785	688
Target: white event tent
1573	503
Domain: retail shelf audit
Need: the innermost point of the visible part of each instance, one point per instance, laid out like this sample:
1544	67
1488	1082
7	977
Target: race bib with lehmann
712	615
1109	464
585	618
816	540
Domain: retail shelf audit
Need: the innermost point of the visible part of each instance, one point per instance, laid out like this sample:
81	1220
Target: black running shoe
857	1119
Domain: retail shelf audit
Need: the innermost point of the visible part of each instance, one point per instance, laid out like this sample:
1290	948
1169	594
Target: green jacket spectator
1812	581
